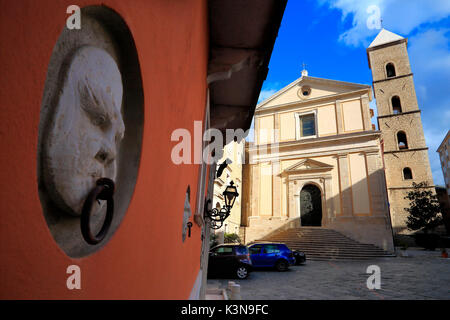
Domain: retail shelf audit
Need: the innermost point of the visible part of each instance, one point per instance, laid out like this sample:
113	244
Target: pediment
320	88
308	165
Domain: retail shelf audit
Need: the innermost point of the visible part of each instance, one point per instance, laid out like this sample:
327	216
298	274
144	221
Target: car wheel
281	265
242	272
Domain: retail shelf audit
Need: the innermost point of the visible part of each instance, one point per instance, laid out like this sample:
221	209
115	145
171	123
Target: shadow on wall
338	213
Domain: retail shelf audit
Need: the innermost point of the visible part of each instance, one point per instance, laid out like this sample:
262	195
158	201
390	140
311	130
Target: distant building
443	151
233	172
444	201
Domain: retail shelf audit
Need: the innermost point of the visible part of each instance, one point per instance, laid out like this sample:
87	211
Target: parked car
300	257
271	254
229	260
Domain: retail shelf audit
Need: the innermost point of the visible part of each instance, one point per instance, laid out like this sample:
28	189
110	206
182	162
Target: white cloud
400	16
373	106
429	52
251	134
266	93
430	61
434	138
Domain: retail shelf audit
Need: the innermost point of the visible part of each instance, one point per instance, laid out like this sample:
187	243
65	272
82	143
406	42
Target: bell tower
404	147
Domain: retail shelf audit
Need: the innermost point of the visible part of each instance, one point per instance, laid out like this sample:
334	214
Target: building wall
444	150
235	152
146	258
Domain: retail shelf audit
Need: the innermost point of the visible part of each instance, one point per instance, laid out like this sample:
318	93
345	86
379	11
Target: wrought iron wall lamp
218	216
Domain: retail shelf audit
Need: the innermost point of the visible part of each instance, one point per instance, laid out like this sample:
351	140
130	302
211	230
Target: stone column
346	188
340	126
291	199
366	113
256	174
328	193
276	188
376	184
276	127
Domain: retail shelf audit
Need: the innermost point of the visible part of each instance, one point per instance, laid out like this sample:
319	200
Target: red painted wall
146	258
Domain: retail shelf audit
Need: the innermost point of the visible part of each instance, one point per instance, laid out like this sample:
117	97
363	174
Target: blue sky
331	37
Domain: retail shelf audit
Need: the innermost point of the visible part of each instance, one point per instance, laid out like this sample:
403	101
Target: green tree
231	238
424	208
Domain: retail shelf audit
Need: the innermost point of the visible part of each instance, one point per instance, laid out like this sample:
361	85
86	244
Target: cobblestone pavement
422	275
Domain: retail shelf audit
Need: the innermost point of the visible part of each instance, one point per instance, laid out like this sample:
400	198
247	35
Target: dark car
271	254
300	257
230	260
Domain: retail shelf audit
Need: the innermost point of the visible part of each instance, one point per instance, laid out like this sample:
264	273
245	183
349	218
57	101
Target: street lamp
218	216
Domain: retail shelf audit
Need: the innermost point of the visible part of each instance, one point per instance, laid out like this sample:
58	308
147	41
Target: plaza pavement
422	275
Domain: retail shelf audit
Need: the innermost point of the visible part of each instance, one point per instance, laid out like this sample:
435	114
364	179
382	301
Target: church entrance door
310	206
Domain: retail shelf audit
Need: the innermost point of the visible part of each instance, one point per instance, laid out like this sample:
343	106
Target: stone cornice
314	141
406	150
313	101
399	114
393	78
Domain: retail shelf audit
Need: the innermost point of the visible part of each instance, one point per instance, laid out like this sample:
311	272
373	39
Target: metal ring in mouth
104	190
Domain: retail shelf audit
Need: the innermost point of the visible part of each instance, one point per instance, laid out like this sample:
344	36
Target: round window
304	91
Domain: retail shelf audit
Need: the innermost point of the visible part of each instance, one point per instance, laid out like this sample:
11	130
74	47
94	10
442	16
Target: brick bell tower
405	150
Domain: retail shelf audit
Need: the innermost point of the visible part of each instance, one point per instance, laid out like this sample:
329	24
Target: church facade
316	161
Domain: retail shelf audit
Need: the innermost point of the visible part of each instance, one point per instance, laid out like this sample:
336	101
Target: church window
396	105
407	174
390	70
306	91
402	141
307	125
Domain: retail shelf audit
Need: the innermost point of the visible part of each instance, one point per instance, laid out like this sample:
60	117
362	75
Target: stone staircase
325	244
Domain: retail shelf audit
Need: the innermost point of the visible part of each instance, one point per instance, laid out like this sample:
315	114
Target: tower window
407	174
396	105
390	70
401	140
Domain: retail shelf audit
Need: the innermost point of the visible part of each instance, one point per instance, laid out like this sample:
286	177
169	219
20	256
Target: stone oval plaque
91	125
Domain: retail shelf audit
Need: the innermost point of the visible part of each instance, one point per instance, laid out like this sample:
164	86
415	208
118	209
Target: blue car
272	255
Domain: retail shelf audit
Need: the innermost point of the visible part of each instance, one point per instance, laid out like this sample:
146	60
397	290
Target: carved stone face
87	127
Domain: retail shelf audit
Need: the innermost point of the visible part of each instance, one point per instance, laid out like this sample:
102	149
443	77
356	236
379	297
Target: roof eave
242	37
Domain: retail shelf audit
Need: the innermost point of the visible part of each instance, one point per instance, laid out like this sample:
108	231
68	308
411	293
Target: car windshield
241	250
256	249
271	248
223	251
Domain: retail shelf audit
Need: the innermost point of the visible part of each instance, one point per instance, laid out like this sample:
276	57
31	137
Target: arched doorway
311	206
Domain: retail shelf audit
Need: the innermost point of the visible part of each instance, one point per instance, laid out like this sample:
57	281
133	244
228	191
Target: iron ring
103	190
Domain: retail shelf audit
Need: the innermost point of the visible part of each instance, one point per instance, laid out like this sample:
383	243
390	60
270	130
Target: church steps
326	244
342	248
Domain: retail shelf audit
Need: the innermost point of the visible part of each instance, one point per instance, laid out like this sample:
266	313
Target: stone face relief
85	133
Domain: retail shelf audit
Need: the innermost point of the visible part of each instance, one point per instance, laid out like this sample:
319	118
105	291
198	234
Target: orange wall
146	258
